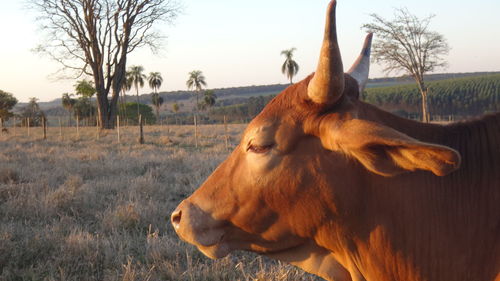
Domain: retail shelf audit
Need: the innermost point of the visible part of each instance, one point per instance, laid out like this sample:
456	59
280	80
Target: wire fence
58	129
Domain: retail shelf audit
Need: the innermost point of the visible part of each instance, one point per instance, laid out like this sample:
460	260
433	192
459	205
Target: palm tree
157	101
209	98
33	111
175	108
68	103
137	79
196	82
155	81
33	105
290	67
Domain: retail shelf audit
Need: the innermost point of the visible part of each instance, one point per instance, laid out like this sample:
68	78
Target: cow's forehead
281	130
287	112
261	129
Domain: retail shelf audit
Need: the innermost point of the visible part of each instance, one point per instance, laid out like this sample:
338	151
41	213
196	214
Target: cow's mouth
224	248
216	251
210	242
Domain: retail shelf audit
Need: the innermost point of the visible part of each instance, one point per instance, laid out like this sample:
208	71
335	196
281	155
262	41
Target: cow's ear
388	152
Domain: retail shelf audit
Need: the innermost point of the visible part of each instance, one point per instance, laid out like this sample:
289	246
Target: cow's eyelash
259	148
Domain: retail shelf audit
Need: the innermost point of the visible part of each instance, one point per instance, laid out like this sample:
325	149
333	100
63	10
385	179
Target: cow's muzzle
196	226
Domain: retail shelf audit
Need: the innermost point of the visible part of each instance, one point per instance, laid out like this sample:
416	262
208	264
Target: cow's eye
259	148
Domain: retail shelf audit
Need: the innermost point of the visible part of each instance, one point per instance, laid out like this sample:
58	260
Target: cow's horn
327	85
361	68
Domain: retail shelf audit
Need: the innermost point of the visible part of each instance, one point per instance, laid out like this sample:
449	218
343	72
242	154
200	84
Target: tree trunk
423	92
157	105
157	114
141	131
107	111
197	102
108	108
137	92
425	107
425	104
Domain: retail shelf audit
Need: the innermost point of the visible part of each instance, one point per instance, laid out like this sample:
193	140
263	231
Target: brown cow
347	191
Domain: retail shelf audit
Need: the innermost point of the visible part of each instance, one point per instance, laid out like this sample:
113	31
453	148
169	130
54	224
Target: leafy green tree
86	90
145	110
290	67
7	102
196	82
84	108
242	111
155	80
406	44
175	107
137	79
68	103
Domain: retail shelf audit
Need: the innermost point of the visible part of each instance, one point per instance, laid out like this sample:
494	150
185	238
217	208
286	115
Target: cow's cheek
216	196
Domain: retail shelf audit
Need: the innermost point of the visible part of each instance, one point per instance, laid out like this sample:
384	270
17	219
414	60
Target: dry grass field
88	208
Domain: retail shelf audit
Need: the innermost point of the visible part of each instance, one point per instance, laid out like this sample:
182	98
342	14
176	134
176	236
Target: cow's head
280	192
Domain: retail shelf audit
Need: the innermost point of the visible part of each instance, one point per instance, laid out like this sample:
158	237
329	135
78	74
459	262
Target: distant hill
238	95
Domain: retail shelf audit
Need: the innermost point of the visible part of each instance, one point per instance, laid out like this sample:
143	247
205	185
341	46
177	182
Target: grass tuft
8	175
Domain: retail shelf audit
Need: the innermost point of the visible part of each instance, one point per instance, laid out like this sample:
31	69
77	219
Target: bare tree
94	37
405	44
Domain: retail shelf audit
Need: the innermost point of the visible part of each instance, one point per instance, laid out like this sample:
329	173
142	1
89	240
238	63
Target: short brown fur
349	192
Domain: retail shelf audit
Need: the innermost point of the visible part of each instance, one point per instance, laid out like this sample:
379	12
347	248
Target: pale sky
238	42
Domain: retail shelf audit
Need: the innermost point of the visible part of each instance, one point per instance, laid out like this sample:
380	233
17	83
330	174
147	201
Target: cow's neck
421	131
394	215
474	140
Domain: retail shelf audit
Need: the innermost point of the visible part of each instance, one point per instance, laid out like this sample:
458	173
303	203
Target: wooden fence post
226	138
14	127
60	129
97	128
28	125
168	126
195	132
118	127
141	132
44	127
78	126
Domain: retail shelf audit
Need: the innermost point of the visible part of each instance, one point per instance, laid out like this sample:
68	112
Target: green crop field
464	96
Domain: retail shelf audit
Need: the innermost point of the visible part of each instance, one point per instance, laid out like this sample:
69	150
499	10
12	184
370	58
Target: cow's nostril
176	218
